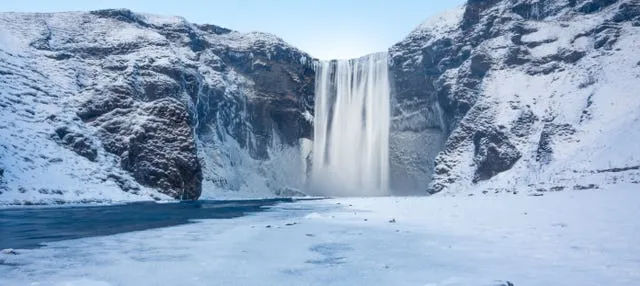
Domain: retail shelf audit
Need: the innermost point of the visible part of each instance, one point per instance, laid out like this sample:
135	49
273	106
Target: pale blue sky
326	29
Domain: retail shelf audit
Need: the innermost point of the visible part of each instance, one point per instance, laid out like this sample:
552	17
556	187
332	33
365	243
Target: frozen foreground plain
566	238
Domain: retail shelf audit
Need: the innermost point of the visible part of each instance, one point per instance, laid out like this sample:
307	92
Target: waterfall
351	127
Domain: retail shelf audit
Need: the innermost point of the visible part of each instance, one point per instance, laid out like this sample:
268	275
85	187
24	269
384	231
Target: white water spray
351	127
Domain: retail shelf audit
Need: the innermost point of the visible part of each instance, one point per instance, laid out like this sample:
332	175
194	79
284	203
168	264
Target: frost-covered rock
522	93
155	143
290	193
77	142
493	153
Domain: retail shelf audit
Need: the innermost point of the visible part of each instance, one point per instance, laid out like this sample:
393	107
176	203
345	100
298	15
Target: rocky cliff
522	95
119	105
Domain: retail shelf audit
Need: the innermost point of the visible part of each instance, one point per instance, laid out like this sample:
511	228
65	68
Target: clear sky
325	29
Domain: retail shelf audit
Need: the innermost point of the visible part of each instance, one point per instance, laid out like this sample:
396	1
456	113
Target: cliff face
522	93
148	103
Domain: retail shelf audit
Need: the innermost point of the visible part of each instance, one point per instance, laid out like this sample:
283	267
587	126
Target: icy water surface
31	227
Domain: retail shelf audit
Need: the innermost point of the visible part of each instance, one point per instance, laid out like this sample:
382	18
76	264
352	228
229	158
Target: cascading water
351	127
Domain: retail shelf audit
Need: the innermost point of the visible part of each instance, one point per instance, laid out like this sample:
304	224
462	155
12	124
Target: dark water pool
31	227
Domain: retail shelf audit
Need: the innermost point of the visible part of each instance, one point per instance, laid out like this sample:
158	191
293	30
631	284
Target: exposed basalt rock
289	193
480	65
2	183
520	29
473	12
586	111
533	10
478	118
77	142
586	187
412	80
49	191
104	103
545	144
605	35
285	90
493	154
563	56
123	15
593	6
615	170
155	143
504	283
629	11
523	126
124	184
214	29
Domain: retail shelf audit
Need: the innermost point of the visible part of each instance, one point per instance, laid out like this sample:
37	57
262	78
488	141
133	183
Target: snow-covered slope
112	105
534	94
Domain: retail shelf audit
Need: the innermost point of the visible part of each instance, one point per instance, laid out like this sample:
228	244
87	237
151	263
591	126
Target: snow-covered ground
563	238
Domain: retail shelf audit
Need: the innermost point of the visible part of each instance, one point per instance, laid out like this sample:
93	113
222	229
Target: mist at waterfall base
351	128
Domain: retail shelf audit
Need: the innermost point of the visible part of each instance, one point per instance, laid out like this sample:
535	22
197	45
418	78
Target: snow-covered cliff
538	94
111	105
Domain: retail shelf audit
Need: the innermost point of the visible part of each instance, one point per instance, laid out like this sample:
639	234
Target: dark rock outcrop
504	283
77	142
628	11
545	145
493	154
592	6
284	82
523	125
155	143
